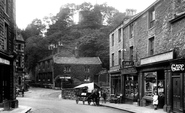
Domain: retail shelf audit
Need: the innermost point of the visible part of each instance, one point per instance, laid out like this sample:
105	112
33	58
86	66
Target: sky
27	10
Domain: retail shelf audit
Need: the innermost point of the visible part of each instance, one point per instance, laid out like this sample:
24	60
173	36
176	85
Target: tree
34	29
36	49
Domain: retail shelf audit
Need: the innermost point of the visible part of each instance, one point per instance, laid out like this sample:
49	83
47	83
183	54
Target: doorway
176	82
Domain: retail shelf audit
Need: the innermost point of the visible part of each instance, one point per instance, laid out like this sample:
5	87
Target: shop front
177	101
154	76
7	89
129	82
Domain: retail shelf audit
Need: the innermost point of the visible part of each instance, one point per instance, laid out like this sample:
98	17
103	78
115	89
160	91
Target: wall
77	72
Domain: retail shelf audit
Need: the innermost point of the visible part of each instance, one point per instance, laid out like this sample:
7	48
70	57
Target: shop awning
90	86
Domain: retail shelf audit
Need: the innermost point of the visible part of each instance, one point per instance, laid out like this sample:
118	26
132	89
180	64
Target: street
47	101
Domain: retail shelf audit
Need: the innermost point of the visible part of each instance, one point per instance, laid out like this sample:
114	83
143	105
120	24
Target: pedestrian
22	91
155	100
104	96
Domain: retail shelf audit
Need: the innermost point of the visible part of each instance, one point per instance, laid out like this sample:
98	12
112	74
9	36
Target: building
154	41
20	64
65	70
7	56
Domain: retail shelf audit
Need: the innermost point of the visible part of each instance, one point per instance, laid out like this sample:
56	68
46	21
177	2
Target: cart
84	93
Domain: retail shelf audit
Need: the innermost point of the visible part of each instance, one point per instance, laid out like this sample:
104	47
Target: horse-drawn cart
87	92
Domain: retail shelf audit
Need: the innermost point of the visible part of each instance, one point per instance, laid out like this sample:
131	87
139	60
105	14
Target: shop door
176	93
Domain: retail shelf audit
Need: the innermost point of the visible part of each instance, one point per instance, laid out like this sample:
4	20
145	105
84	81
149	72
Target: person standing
104	96
155	100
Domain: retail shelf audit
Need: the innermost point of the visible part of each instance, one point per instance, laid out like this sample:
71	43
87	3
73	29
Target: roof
77	60
19	38
135	17
46	58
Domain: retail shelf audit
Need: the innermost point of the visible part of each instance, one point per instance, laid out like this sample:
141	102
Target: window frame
67	68
119	57
131	53
112	37
6	6
6	34
131	30
112	59
152	17
151	46
119	35
87	69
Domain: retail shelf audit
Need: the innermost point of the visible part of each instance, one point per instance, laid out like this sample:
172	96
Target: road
47	101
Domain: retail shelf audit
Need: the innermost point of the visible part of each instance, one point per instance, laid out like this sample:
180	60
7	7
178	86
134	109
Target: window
150	83
151	17
112	59
119	57
119	35
87	69
67	69
6	6
19	61
4	44
131	53
123	33
112	39
151	46
19	46
131	30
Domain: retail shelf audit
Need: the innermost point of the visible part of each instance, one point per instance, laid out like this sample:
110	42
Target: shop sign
157	58
4	61
129	71
127	64
65	77
177	67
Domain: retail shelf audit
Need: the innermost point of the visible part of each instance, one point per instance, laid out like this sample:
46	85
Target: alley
48	101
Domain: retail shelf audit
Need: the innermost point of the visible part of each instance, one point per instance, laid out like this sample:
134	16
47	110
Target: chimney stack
130	12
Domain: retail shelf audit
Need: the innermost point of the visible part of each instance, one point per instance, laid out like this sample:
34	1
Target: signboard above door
177	67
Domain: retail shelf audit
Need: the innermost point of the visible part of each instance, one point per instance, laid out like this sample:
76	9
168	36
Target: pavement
133	108
20	109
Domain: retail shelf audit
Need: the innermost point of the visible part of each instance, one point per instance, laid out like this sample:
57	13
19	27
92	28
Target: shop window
131	87
150	83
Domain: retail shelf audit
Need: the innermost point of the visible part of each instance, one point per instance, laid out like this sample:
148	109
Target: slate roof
77	60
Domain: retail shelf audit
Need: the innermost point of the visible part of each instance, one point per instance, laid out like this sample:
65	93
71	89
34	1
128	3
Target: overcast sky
27	10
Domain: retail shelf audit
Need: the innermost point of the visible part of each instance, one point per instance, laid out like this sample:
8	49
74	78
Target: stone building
66	70
154	41
7	56
20	64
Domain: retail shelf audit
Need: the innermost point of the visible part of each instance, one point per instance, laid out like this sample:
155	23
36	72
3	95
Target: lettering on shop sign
178	67
127	64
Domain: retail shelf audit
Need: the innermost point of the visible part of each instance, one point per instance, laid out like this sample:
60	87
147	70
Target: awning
90	86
